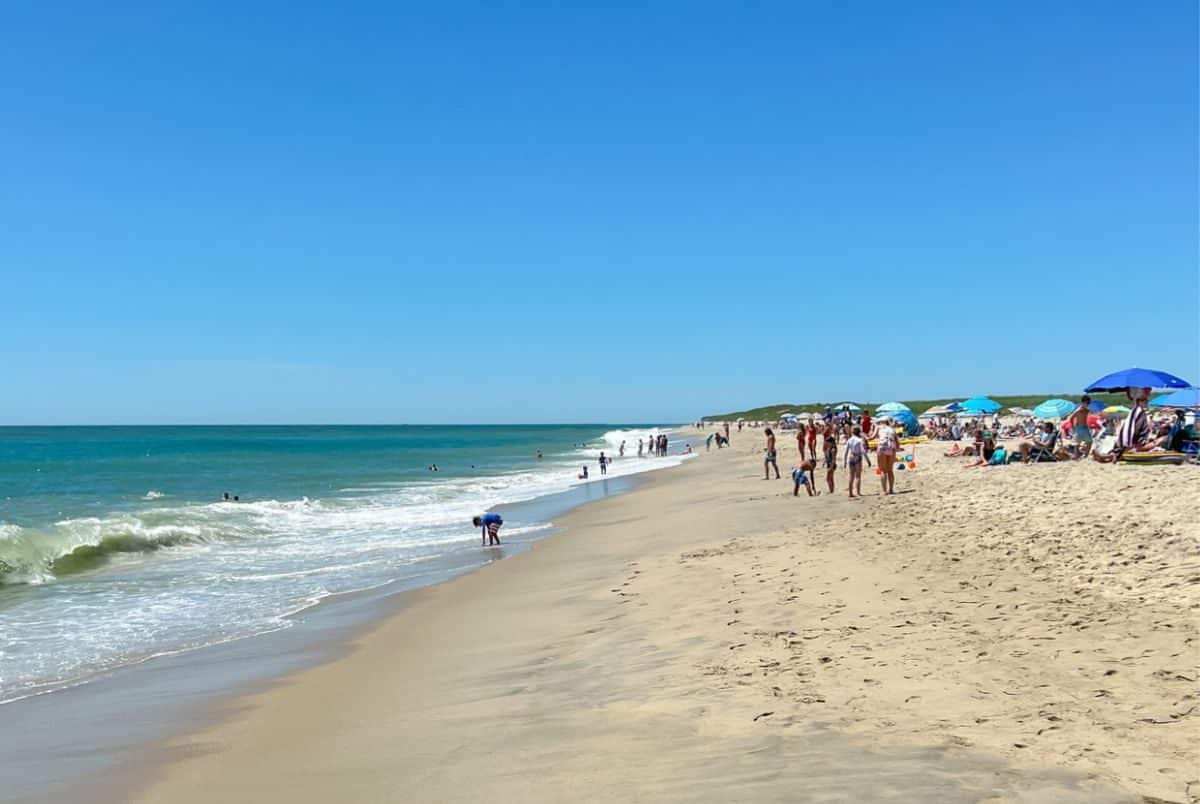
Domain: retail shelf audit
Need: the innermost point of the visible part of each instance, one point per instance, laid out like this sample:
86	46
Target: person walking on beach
801	434
771	456
1083	433
708	442
856	455
490	523
829	449
726	432
640	448
603	463
885	450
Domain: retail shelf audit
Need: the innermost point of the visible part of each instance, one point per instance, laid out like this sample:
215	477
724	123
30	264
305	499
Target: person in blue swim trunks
802	476
490	524
1081	431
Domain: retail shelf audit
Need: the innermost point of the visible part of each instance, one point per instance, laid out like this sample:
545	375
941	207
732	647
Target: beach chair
1045	454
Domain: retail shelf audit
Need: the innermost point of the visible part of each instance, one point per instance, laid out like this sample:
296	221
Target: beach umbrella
980	404
891	407
1137	378
1183	398
850	405
1095	406
1054	409
1116	410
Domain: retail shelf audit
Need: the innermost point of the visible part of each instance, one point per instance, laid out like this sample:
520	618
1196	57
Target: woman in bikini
801	434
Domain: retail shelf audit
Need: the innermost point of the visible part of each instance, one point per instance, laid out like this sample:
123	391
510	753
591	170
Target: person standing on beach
621	450
812	440
829	450
640	449
856	455
771	456
1083	433
885	451
801	434
726	432
866	425
708	442
603	463
490	523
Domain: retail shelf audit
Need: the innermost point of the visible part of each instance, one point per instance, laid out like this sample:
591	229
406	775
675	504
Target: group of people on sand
855	453
1080	435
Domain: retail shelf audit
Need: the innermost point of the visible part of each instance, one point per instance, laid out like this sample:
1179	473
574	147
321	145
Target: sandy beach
1023	633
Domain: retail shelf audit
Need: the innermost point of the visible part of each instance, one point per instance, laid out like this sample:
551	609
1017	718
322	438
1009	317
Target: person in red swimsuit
866	425
812	440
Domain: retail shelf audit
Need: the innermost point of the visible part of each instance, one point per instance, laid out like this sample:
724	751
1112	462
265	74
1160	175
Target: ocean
116	544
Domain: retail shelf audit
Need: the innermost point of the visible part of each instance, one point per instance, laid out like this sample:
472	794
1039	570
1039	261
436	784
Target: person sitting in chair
1041	448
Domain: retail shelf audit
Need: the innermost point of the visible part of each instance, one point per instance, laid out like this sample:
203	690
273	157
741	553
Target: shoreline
709	637
69	745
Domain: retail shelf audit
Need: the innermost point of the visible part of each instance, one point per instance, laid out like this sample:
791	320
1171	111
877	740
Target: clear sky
499	211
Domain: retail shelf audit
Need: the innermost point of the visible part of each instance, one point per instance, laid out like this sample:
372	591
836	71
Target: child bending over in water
802	476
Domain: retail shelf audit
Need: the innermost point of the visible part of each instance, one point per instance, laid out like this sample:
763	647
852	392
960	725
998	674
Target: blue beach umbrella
1137	378
891	407
1095	406
981	404
1054	409
1183	398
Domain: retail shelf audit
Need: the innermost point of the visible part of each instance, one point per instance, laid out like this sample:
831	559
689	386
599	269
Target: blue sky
377	212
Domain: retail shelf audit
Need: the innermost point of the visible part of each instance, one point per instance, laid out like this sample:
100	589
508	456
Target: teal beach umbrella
1054	409
980	404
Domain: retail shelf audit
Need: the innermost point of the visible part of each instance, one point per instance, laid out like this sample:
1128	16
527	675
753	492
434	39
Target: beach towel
1134	430
1104	446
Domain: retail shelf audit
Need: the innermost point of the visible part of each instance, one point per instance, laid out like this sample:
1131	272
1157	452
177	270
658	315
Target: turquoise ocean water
116	545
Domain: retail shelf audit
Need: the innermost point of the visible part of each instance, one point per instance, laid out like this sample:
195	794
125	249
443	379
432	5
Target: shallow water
116	545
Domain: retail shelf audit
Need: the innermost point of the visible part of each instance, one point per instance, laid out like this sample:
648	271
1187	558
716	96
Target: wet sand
1010	634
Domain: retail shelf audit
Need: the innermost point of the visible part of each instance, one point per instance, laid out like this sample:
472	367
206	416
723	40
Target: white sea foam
181	576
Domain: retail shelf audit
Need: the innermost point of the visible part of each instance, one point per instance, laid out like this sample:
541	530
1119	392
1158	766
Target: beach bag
999	457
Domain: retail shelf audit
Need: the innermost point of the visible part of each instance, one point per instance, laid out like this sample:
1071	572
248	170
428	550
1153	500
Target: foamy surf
113	589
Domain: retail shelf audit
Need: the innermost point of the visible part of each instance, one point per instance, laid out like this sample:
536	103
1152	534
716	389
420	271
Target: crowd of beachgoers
1163	430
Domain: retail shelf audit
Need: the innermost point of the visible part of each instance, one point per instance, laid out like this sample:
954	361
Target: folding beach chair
1045	454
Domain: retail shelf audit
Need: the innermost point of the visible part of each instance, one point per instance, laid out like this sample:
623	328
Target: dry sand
1023	633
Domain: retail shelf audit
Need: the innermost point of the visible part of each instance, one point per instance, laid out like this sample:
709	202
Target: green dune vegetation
770	413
